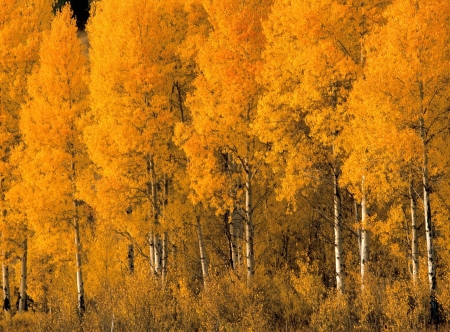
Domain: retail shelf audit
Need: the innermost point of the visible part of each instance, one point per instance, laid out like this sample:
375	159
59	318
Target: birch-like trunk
80	285
338	233
359	228
414	239
249	228
155	243
203	260
130	257
157	258
23	279
152	252
165	243
6	289
365	236
76	224
429	228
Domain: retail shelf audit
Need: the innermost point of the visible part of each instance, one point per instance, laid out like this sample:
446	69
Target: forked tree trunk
23	279
338	234
365	236
414	239
6	289
249	227
203	260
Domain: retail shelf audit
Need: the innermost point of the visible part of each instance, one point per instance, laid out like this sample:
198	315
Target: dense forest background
225	165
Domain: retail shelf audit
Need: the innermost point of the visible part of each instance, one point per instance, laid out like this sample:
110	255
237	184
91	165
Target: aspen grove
225	165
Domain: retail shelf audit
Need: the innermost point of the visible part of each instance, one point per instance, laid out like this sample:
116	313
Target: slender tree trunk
23	279
235	225
165	243
414	240
152	252
338	234
249	227
359	228
434	313
80	285
365	236
157	242
203	260
131	258
6	289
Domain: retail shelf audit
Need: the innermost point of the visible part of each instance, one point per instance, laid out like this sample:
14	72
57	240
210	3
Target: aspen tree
312	59
137	86
50	123
18	54
411	96
223	107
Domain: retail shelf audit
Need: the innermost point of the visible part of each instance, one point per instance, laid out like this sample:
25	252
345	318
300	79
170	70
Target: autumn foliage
225	165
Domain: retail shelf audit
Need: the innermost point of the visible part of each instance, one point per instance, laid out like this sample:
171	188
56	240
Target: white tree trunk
157	258
203	260
23	279
249	227
151	239
338	234
130	257
429	228
80	285
155	244
365	235
414	240
6	289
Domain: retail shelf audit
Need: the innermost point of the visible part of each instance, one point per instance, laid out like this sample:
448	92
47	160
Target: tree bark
365	236
203	260
165	243
76	224
23	279
155	245
337	233
414	240
80	285
249	227
6	289
431	255
131	258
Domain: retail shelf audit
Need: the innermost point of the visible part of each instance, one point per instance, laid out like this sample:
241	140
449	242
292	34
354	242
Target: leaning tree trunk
203	260
338	233
429	229
249	227
414	240
6	289
365	236
23	297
